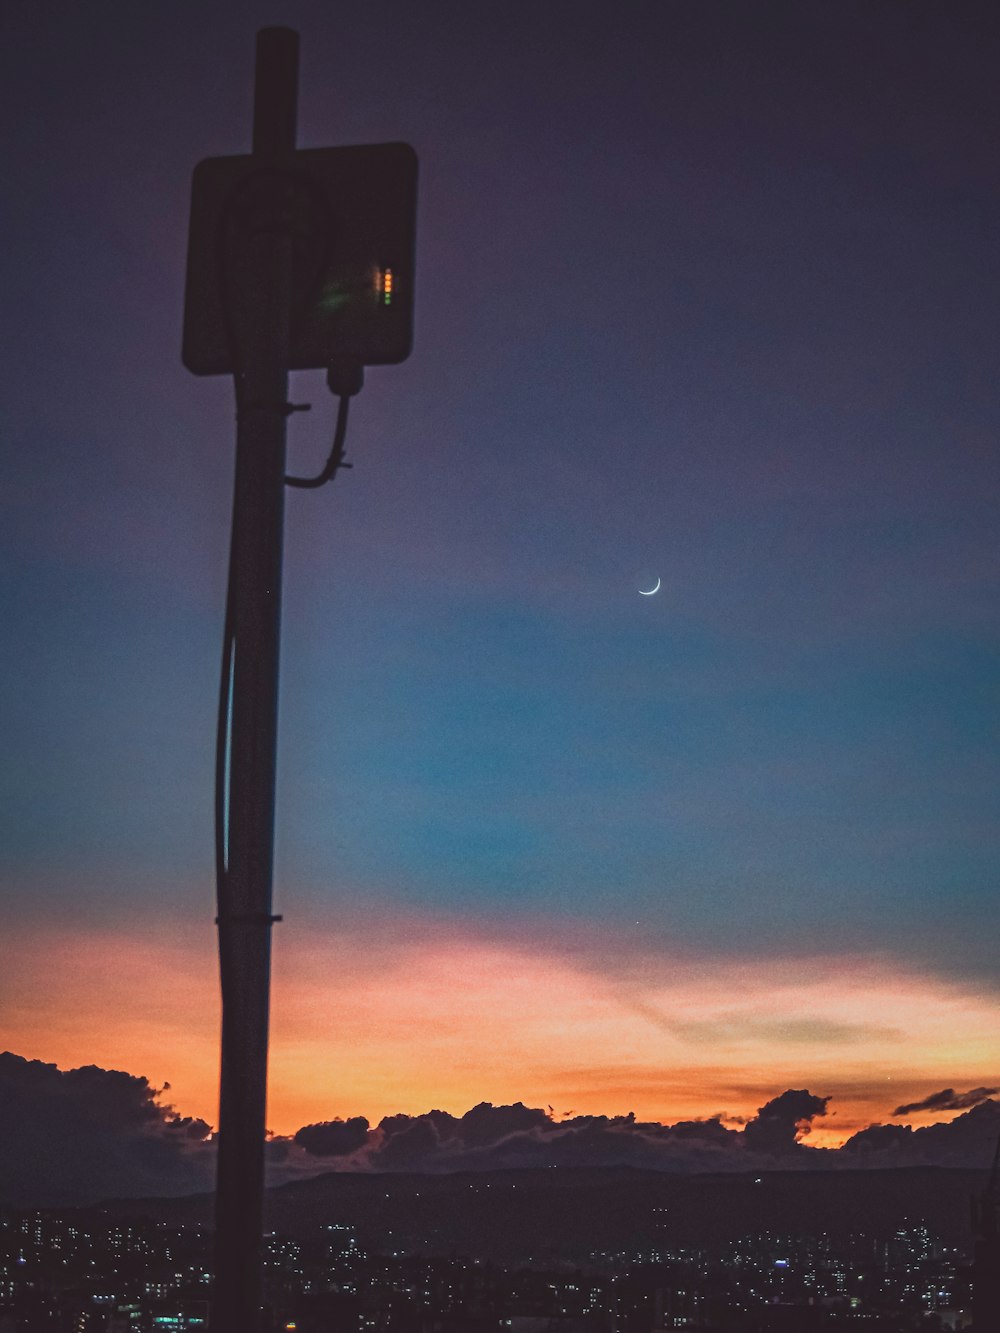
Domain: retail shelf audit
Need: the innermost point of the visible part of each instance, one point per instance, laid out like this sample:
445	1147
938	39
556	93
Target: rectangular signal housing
353	228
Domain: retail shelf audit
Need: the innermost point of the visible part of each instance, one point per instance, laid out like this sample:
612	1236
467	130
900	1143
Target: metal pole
245	916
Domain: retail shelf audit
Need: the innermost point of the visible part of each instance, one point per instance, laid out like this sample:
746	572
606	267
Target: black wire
336	459
222	733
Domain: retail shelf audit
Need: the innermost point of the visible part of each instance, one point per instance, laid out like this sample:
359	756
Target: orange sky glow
376	1018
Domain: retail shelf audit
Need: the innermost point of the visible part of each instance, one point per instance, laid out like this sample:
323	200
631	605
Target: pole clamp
285	409
247	918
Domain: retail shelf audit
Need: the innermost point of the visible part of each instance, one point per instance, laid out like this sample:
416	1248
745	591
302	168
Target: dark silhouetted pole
261	334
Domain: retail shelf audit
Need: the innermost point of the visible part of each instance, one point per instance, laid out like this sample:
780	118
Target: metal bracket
253	918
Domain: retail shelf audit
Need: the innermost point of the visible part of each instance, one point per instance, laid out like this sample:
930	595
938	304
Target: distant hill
544	1215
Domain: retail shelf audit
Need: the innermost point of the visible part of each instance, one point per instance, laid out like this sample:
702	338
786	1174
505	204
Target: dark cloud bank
76	1135
80	1135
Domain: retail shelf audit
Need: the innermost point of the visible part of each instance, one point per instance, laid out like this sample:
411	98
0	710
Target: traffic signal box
349	215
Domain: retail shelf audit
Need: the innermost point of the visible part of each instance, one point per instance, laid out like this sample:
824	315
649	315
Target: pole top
276	92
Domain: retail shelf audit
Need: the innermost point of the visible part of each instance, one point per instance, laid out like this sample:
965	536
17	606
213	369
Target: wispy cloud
948	1100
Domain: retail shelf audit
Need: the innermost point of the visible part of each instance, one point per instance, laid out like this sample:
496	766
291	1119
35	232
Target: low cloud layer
494	1137
81	1135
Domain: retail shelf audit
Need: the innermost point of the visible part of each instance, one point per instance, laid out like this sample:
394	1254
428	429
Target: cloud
779	1031
486	1123
883	1140
948	1100
778	1124
189	1126
492	1137
77	1135
333	1138
968	1140
438	1140
495	1137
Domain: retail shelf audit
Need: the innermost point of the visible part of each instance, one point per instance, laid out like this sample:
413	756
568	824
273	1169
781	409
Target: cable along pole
256	256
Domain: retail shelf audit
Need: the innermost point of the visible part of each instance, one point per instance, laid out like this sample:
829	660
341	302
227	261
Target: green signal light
334	296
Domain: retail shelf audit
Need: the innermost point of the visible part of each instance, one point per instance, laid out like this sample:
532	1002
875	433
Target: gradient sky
706	292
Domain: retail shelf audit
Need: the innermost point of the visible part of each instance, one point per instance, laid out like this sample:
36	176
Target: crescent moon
648	592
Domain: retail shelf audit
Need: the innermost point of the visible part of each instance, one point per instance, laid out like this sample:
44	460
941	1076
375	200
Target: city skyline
705	298
633	1277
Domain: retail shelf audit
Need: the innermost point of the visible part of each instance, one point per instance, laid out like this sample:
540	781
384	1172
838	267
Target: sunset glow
386	1016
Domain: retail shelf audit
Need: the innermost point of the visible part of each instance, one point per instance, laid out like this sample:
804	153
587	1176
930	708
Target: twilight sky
706	292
